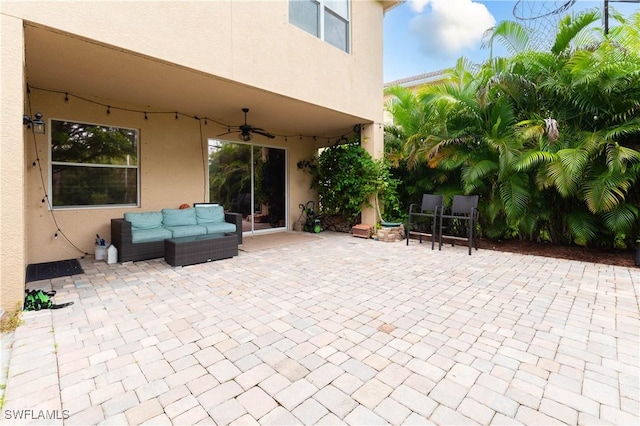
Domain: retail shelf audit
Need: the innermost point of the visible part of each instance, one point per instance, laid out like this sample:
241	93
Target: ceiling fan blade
226	133
263	133
246	129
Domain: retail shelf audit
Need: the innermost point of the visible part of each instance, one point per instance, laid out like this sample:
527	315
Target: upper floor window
326	19
93	165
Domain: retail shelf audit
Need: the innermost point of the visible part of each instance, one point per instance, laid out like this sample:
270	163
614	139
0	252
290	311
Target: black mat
46	271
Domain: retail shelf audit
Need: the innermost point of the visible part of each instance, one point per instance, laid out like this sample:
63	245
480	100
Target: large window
326	19
93	165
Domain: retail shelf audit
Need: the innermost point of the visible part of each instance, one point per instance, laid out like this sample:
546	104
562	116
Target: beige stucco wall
12	230
172	172
250	42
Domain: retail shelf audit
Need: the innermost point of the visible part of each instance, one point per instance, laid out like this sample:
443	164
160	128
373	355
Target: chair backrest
463	204
430	202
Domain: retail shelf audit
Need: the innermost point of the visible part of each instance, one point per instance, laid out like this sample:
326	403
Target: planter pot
638	255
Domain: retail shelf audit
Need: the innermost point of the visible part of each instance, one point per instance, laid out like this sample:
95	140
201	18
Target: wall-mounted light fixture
36	122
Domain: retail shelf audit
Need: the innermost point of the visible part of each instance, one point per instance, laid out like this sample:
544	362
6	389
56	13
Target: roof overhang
390	4
59	61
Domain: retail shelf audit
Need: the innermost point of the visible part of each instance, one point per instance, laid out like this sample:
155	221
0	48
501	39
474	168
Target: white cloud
418	5
445	28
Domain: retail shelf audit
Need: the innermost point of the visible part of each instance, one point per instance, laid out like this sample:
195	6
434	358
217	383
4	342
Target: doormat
49	270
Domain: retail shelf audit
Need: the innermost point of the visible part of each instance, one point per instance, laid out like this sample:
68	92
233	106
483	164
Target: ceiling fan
246	130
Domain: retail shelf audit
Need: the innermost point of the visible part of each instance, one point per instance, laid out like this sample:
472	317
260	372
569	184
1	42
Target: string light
44	200
67	97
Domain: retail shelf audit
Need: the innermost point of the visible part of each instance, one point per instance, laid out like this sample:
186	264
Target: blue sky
428	35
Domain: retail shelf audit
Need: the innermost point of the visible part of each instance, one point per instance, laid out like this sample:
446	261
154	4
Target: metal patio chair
423	215
461	221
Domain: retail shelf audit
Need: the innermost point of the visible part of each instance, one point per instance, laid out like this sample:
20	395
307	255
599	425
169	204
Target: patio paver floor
338	330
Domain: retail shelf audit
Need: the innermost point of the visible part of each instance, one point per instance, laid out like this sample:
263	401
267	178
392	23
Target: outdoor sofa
141	235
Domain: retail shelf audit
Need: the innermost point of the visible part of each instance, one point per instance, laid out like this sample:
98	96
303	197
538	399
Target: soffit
68	63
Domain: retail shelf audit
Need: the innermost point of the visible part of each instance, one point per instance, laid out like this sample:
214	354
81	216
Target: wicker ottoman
199	249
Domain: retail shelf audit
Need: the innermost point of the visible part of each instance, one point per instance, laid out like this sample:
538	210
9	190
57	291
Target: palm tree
589	87
550	140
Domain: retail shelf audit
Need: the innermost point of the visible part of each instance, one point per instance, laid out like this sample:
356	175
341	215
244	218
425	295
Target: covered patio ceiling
68	63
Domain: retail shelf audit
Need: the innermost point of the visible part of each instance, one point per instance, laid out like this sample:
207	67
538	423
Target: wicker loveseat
141	235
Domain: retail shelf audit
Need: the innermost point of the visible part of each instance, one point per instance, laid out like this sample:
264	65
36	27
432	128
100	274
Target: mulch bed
583	254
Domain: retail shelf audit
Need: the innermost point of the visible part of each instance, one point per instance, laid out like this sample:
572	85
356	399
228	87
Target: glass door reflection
251	180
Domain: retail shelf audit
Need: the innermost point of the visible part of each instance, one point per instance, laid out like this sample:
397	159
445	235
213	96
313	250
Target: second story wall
251	42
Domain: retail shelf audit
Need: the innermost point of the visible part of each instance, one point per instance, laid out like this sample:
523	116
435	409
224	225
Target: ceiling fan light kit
247	130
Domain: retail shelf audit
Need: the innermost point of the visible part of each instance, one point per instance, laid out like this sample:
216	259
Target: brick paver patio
341	330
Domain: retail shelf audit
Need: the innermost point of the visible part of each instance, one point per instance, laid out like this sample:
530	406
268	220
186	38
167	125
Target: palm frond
566	171
621	219
528	160
478	171
619	156
570	26
606	191
513	36
582	226
515	195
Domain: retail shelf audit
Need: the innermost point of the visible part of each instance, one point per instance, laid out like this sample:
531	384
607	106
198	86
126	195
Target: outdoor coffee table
198	249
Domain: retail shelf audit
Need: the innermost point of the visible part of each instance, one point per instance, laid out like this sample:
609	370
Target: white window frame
324	9
52	163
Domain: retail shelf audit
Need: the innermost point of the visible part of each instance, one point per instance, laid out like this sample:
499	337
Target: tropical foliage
549	140
346	176
230	175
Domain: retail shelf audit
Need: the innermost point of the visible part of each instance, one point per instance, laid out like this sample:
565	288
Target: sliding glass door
251	180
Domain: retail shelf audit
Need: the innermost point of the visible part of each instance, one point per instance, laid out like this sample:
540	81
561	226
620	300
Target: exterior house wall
172	171
251	42
248	43
170	167
12	164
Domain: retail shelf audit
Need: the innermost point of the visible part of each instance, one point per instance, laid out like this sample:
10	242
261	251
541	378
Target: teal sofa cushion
178	217
219	228
144	220
209	214
186	230
149	235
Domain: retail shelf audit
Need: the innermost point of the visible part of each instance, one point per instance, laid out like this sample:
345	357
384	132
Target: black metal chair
461	220
419	219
